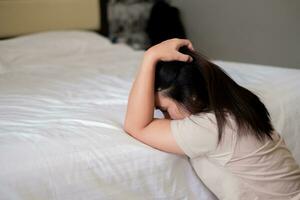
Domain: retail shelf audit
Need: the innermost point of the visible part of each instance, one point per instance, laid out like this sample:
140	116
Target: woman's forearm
140	106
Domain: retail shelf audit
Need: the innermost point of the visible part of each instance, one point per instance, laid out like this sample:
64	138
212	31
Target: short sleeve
196	135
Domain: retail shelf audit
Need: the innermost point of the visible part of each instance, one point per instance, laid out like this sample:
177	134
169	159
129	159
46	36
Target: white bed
63	98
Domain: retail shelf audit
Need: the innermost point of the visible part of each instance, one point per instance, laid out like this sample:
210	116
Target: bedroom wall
263	32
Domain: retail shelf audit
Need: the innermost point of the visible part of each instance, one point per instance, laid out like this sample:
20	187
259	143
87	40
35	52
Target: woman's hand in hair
168	50
139	120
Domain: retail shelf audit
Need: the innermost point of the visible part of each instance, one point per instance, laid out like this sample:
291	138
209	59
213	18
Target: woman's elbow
125	123
127	128
131	130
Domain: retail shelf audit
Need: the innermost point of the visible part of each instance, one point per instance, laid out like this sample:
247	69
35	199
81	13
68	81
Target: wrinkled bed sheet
63	98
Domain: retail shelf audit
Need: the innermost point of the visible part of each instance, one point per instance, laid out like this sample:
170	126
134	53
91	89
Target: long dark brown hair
201	86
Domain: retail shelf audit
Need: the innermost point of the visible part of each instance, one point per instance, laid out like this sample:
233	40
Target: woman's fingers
190	46
185	42
169	50
183	57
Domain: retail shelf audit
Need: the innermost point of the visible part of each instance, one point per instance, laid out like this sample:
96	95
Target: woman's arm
139	121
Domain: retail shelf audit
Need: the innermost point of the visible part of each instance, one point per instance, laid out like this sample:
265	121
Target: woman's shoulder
210	118
204	116
200	120
196	134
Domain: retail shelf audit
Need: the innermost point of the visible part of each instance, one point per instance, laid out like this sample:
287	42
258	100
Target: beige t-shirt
239	167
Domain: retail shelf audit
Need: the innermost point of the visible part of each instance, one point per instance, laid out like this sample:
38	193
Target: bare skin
169	108
139	121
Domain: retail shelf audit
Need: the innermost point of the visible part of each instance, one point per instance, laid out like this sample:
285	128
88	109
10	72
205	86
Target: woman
222	127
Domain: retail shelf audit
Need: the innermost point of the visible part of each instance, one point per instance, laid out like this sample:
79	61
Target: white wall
256	31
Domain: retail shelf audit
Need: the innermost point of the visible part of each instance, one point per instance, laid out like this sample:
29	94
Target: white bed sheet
63	97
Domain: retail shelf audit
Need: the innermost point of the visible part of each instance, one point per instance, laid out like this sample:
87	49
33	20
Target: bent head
189	88
169	107
180	88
